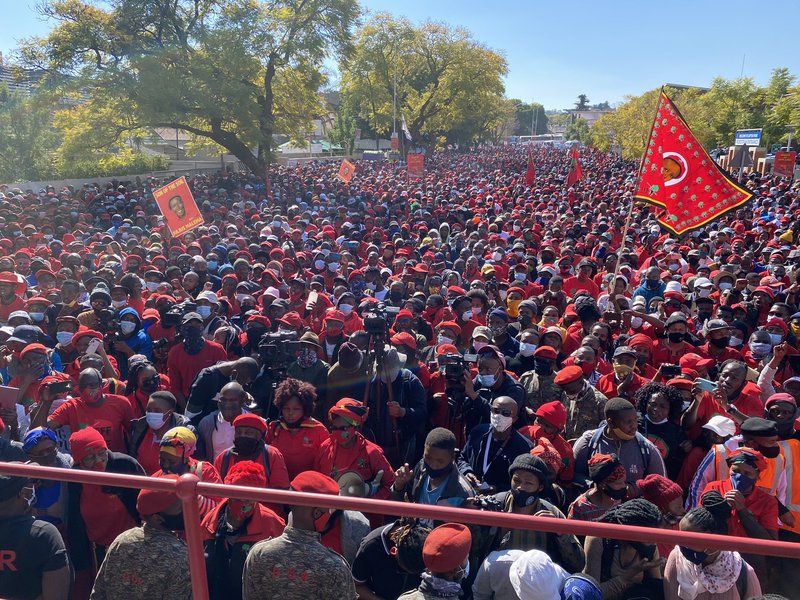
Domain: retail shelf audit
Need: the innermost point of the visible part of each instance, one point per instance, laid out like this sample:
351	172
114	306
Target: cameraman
97	317
492	382
397	409
209	381
164	328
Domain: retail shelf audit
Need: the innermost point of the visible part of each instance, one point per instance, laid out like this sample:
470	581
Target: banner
530	173
415	163
574	167
346	171
784	163
176	203
678	175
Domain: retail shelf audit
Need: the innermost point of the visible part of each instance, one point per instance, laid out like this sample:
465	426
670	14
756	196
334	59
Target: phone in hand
60	387
671	370
93	346
705	384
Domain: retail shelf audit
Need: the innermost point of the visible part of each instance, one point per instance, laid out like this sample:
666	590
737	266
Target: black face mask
173	522
434	473
703	316
640	361
523	498
149	386
245	446
770	451
396	296
542	367
525	321
652	284
178	470
720	342
676	337
693	556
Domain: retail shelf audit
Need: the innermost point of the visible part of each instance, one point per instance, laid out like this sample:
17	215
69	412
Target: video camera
174	316
454	369
277	350
376	319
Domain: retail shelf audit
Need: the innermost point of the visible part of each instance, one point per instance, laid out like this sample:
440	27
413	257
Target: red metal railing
188	487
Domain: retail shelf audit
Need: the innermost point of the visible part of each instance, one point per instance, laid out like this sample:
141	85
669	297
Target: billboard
415	164
784	163
748	137
176	203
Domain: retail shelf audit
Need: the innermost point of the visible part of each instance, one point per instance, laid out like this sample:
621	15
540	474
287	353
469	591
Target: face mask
615	494
151	286
173	522
500	423
321	523
498	330
342	436
32	500
672	519
396	296
770	451
636	322
390	376
240	512
154	419
307	357
462	574
372	286
476	310
319	265
37	316
676	337
652	284
245	446
622	371
126	327
513	308
775	338
443	339
212	265
467	315
542	367
527	349
622	434
118	303
725	286
487	381
720	342
204	311
703	293
742	483
760	350
523	498
64	337
434	473
693	556
346	309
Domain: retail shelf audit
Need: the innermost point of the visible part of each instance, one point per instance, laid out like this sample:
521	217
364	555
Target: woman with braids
626	569
296	433
389	560
660	407
143	380
700	574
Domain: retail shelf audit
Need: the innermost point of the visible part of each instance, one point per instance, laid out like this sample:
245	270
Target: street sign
784	163
748	137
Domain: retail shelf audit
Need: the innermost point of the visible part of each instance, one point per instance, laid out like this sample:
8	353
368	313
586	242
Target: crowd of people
464	340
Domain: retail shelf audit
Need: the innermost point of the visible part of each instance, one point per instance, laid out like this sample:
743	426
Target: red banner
346	171
530	173
176	203
678	175
415	163
574	167
784	163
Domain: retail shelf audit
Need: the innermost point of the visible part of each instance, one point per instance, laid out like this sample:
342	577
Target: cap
482	331
758	427
692	361
495	352
722	426
554	413
625	351
446	547
568	375
25	334
209	296
150	502
749	456
191	316
716	325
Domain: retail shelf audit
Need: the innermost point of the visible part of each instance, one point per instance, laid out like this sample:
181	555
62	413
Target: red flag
574	167
678	175
530	174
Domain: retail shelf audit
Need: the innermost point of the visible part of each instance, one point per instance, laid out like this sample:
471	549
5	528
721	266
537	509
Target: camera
454	368
105	321
60	387
277	350
490	503
376	319
174	316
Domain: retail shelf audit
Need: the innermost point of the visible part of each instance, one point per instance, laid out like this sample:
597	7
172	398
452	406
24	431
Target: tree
526	119
449	86
579	130
582	103
230	72
27	138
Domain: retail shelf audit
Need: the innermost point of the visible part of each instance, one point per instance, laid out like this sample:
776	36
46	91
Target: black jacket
472	456
139	429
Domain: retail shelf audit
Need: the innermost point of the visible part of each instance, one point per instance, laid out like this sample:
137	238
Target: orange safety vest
767	479
790	449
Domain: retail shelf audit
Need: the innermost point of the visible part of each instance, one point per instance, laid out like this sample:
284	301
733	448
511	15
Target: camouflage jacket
539	389
146	563
584	412
295	566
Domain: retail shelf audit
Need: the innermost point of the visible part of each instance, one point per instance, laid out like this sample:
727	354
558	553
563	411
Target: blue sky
557	50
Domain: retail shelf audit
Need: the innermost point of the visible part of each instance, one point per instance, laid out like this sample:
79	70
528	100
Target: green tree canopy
579	130
582	103
230	72
449	87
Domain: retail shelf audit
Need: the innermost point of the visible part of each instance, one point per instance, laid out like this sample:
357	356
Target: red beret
457	290
405	339
446	349
554	413
568	375
40	348
405	313
659	490
780	397
315	483
446	547
774	322
246	472
84	440
452	325
251	420
545	352
151	502
291	319
261	319
640	339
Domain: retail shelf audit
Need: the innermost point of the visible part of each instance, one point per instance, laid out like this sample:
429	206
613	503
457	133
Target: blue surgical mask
487	380
204	311
212	265
775	338
742	483
64	337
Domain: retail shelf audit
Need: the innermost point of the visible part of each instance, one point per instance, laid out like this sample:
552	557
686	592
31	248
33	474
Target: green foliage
714	115
27	139
230	72
582	103
526	119
579	130
449	87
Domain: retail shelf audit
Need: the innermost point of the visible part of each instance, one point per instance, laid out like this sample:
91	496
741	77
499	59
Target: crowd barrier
189	486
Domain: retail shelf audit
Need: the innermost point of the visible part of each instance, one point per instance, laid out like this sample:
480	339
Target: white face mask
333	267
735	342
497	256
527	349
636	322
240	297
503	294
346	309
118	303
500	423
127	327
476	310
725	286
703	292
466	315
443	339
151	286
520	276
154	419
319	265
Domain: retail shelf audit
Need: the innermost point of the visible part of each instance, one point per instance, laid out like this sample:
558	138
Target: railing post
186	490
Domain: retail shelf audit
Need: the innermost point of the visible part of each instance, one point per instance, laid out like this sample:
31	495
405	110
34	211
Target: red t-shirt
726	354
277	476
6	309
148	453
573	285
764	507
104	514
364	458
112	419
299	446
182	368
607	384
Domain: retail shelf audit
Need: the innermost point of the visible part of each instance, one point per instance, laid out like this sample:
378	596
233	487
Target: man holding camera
492	382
